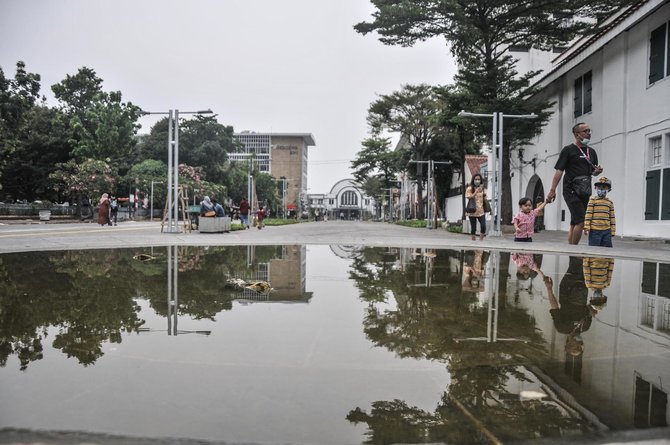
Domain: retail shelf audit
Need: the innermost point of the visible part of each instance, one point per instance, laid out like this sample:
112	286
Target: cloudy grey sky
261	65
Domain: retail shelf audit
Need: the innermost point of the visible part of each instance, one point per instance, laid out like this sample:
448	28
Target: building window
650	405
349	199
659	53
654	303
657	199
583	87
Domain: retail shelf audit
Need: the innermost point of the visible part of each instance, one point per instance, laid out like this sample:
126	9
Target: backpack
114	204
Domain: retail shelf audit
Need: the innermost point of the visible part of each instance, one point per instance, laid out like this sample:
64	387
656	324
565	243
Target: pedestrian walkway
18	238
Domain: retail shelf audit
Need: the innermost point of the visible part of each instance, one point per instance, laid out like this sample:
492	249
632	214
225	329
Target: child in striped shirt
600	223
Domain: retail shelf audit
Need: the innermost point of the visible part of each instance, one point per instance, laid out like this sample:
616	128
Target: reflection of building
346	252
286	274
346	201
626	359
280	155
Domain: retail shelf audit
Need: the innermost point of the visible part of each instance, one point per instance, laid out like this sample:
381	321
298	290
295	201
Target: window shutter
664	280
587	92
656	54
665	195
648	278
578	97
651	208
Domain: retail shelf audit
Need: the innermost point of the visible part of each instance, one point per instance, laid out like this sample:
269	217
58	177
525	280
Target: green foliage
90	178
141	176
412	112
416	223
268	191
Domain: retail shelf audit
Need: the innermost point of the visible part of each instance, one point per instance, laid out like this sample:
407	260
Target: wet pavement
372	334
27	237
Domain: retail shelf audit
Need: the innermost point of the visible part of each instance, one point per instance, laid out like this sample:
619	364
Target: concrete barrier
214	224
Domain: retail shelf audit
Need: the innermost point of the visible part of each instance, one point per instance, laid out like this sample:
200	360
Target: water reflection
527	345
554	361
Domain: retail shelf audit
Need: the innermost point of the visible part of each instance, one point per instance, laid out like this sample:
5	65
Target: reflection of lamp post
173	163
151	217
497	161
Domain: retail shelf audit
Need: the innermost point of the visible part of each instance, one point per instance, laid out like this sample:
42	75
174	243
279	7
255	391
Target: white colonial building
618	82
345	201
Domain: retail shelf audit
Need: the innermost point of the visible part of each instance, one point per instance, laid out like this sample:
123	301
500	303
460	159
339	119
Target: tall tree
412	112
479	33
375	159
17	98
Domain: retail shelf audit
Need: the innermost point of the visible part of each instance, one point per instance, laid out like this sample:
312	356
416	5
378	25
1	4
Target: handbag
471	207
487	206
581	186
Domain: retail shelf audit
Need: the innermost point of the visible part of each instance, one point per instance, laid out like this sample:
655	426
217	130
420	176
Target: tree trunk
419	187
461	139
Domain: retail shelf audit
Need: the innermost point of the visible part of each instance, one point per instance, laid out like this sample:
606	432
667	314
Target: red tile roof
475	162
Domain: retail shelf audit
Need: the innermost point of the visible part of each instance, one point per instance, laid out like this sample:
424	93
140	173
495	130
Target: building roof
307	137
610	28
474	162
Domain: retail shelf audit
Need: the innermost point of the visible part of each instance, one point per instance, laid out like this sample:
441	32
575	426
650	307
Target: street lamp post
173	164
497	160
151	217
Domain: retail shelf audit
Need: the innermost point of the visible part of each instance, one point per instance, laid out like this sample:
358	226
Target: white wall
626	112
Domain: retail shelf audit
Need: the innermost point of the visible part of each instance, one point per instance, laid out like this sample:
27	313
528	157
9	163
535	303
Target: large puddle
352	345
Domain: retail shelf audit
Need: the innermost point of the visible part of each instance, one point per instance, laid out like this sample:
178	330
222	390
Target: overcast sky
261	65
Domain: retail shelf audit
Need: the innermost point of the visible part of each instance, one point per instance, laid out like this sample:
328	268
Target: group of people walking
590	215
109	210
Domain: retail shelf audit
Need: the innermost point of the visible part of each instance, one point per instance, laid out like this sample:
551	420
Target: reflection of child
600	223
524	221
473	271
597	277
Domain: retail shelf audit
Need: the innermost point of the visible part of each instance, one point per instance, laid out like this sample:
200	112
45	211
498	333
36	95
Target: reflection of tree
447	324
89	296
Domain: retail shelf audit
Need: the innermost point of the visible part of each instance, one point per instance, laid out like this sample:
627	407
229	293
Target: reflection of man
579	162
571	315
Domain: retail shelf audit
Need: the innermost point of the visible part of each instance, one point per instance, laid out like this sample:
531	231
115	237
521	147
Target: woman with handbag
475	193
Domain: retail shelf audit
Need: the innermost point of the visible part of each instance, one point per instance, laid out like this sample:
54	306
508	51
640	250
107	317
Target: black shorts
576	205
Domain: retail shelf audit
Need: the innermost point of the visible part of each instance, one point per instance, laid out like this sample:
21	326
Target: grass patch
279	221
417	223
455	229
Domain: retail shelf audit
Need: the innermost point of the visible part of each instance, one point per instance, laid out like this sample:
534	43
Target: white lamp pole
496	155
173	164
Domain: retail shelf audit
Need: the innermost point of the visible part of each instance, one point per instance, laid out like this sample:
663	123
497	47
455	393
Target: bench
216	224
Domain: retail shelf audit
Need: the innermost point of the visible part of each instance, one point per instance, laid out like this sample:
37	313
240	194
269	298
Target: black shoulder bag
581	185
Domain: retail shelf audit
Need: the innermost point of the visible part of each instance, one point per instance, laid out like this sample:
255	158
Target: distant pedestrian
244	212
524	221
600	222
103	212
475	193
579	162
260	215
113	209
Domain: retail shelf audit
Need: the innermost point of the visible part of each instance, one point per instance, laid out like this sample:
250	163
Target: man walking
579	162
244	212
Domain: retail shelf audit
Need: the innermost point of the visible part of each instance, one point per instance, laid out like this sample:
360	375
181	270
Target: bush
417	223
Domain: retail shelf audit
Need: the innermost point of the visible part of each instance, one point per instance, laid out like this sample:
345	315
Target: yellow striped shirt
600	215
598	272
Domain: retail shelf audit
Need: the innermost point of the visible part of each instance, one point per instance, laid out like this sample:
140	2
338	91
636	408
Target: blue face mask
601	193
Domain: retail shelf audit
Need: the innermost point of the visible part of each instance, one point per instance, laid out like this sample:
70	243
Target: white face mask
586	141
477	182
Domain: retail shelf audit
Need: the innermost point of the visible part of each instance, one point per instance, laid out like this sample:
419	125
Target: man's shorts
576	205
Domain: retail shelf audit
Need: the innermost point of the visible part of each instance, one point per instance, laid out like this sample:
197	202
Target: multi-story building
282	155
618	82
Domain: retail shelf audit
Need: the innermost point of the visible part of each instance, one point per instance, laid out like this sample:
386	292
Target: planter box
45	215
214	224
